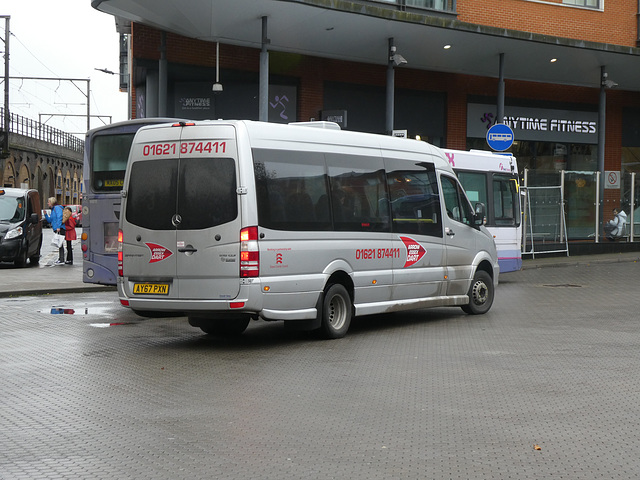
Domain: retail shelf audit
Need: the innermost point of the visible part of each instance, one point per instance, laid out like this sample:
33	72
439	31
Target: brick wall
616	24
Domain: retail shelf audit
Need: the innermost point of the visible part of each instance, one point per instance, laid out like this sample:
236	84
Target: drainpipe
638	26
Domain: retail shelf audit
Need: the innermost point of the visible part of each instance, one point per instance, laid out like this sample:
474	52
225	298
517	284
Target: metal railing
39	131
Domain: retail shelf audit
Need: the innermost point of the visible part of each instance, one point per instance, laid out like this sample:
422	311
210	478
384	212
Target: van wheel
35	258
227	327
480	294
336	312
21	259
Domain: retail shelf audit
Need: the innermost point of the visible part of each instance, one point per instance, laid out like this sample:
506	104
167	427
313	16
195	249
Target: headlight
15	233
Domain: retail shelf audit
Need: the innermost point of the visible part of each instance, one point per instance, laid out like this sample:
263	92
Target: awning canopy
356	32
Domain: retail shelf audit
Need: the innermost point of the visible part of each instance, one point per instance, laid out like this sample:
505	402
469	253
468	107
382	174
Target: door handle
188	249
449	232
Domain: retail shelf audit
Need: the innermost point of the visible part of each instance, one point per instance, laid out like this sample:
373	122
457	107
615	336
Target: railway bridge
41	157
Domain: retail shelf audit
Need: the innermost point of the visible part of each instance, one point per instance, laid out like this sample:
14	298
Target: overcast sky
62	39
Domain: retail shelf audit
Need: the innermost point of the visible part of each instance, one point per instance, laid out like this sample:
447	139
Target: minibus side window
415	203
359	200
291	188
456	203
151	196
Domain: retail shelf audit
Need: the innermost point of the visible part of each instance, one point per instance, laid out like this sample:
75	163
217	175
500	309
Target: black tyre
480	294
228	327
35	258
152	314
21	259
336	312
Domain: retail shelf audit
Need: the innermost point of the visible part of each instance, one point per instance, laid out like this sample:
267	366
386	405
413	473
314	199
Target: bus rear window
109	156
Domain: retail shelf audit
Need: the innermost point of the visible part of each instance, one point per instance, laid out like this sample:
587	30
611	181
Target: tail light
249	253
120	253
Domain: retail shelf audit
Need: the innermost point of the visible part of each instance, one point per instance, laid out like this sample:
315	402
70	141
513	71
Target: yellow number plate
151	288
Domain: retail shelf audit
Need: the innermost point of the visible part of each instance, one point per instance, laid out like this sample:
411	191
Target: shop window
548	157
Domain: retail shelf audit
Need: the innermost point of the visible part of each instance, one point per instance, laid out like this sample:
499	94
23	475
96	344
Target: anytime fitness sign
537	124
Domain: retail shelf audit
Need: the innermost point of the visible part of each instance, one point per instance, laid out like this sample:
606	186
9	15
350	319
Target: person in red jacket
69	233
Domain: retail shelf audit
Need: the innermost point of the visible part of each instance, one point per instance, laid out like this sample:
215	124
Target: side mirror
480	217
34	218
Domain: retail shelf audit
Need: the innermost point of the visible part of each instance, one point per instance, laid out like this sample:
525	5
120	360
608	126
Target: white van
227	221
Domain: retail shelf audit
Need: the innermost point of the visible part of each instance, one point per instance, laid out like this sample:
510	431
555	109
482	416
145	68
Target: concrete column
162	77
263	98
391	80
602	119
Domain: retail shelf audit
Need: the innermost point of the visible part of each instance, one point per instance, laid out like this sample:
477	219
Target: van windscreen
12	209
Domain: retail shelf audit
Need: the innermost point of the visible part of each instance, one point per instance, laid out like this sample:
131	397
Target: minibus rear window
151	198
202	191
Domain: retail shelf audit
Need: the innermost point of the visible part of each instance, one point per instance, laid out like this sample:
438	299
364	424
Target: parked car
45	214
76	211
20	226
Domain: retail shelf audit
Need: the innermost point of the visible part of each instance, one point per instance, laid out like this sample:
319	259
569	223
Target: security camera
398	60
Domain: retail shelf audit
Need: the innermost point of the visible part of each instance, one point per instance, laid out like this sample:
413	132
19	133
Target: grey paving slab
427	394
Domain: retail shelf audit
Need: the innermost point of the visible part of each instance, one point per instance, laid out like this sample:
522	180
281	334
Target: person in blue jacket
56	223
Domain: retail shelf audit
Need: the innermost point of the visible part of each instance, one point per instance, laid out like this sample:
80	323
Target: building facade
563	74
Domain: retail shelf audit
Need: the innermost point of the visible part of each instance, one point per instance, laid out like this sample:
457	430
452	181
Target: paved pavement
46	278
544	386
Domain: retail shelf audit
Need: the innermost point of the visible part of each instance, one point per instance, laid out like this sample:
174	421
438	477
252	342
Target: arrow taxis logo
158	252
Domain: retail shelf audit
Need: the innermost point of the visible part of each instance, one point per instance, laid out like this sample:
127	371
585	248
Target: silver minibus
228	221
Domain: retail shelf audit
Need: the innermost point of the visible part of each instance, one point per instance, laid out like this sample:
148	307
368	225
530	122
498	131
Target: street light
105	70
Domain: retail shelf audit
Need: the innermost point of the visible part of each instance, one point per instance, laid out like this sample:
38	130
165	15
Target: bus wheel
336	312
227	327
480	294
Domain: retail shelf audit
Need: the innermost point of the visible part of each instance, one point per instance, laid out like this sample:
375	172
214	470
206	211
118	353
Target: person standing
56	224
69	233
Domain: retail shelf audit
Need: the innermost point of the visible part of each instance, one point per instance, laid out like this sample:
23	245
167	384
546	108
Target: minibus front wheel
480	294
336	312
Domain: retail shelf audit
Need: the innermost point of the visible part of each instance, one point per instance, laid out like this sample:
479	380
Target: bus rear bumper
95	273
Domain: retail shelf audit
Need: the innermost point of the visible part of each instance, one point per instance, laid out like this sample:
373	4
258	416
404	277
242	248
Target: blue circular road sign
500	137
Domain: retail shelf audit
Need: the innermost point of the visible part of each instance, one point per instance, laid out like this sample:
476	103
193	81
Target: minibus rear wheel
226	327
336	312
480	294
